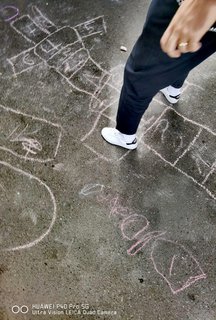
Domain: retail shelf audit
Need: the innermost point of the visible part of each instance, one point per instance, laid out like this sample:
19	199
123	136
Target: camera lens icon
19	309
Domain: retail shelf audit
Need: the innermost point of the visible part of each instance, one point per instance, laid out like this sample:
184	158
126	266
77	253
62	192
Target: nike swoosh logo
133	142
175	97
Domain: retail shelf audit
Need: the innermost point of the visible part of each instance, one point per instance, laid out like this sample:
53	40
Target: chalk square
74	63
29	29
28	137
91	27
199	160
64	54
43	22
171	135
55	42
210	183
24	61
89	78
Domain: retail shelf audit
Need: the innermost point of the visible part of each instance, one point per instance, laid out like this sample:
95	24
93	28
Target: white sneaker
115	137
170	97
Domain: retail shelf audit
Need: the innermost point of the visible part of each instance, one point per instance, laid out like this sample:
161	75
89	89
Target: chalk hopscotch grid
79	39
149	236
98	90
174	165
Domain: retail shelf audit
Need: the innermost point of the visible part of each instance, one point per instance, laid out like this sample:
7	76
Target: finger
194	46
169	45
164	39
183	45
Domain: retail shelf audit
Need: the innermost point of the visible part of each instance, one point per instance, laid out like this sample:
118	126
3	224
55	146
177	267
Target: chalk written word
28	137
180	269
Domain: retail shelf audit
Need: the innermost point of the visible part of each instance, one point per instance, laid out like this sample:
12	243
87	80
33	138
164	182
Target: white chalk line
2	187
100	114
45	18
39	239
59	29
67	57
91	188
53	33
80	64
101	86
184	173
161	102
112	86
189	146
24	70
58	143
93	127
18	31
168	162
210	173
195	85
31	116
23	53
99	155
164	129
25	157
171	265
71	84
36	119
93	20
194	122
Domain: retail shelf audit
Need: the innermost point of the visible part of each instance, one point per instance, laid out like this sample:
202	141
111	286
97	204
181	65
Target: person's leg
149	69
173	91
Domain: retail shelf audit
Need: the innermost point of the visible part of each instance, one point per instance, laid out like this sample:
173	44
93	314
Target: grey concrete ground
90	231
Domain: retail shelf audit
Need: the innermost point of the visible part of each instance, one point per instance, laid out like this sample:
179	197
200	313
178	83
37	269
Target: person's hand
191	21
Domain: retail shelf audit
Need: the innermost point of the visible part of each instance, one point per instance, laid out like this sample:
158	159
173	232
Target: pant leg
149	69
180	81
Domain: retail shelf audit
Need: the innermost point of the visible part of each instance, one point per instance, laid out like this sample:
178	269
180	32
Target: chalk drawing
63	49
24	61
173	147
71	59
142	242
28	29
183	269
32	211
91	188
162	126
180	272
131	220
43	22
9	13
28	137
91	27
